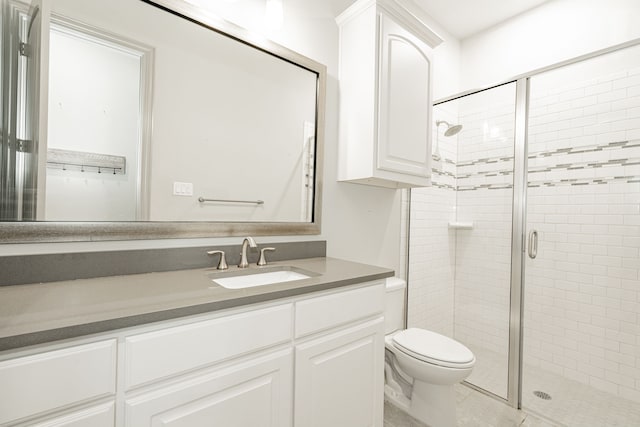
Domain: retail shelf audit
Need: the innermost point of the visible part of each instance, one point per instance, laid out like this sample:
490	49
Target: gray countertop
45	312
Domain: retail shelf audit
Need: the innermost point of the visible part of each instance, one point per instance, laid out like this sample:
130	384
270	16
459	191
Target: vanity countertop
45	312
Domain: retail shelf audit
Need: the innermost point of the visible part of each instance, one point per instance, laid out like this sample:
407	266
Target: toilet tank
394	305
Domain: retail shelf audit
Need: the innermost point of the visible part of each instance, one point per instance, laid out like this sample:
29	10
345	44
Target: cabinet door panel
344	307
257	392
405	101
339	378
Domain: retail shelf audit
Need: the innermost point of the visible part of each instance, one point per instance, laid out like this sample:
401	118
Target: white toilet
421	366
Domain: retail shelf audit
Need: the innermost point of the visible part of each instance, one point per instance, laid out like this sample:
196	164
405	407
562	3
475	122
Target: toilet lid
434	348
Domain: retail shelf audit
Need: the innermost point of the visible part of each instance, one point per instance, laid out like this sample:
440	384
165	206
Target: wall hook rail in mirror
63	159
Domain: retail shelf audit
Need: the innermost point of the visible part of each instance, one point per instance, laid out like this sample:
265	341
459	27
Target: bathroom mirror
164	121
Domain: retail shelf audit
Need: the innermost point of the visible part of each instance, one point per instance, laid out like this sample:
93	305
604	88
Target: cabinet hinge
24	145
24	49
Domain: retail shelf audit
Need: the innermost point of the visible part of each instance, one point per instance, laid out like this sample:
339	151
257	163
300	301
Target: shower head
451	129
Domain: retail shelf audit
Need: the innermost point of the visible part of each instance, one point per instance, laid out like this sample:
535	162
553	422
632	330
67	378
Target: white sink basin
253	278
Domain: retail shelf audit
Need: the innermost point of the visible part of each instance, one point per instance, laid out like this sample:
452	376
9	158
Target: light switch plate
183	189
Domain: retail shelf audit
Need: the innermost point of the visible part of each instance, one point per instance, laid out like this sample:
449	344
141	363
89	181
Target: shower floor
575	404
572	403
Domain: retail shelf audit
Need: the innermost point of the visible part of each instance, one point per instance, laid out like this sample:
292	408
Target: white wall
233	127
553	32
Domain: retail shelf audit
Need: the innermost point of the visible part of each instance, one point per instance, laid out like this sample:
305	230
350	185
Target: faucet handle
222	265
263	260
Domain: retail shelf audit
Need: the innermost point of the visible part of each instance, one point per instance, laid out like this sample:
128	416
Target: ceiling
464	18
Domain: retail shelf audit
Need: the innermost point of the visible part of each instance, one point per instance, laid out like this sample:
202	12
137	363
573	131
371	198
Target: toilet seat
434	348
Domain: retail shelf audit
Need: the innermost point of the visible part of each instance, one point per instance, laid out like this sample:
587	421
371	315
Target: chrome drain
542	395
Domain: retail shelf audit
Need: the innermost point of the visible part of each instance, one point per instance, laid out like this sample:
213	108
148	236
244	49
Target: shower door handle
533	244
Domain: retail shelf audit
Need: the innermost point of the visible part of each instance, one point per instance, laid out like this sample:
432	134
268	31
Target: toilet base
396	398
433	404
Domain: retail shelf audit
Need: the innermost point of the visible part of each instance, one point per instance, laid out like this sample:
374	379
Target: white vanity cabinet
385	95
311	360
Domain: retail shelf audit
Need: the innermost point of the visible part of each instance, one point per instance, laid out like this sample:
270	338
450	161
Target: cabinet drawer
96	416
46	381
167	352
327	311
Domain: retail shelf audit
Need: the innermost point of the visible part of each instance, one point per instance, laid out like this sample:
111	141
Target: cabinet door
257	393
52	380
196	345
339	378
404	118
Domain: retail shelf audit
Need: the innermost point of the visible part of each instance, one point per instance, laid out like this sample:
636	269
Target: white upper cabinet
385	95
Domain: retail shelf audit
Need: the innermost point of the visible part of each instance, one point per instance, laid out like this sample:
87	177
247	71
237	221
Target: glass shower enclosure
526	247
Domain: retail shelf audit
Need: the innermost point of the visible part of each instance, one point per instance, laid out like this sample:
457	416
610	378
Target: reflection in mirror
94	140
152	117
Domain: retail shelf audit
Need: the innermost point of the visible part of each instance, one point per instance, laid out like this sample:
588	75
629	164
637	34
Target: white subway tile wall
431	243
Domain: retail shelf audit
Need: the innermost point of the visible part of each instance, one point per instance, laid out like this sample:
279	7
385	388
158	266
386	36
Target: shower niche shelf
385	95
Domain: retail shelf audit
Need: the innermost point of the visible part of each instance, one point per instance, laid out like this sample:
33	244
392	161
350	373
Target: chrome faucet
243	255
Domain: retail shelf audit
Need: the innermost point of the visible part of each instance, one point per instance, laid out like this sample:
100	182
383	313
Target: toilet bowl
421	366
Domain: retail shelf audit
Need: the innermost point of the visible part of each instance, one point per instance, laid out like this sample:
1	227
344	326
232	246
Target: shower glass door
581	348
460	233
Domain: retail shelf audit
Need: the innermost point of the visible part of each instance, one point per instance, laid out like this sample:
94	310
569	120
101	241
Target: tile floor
474	410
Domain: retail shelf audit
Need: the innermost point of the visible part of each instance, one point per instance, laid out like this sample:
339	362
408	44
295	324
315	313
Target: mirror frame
62	231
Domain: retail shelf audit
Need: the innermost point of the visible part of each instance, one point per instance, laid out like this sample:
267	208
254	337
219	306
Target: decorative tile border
443	186
586	149
484	187
565	182
440	174
505	172
585	165
486	161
